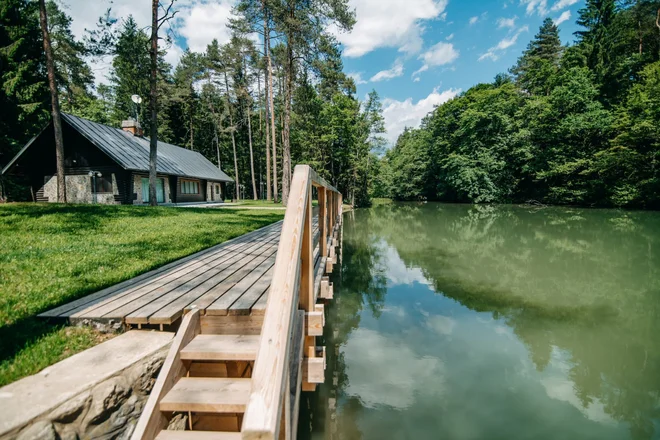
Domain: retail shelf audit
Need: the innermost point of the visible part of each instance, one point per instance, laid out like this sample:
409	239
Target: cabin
109	165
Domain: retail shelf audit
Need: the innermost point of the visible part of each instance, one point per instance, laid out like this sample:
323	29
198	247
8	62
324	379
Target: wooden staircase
206	385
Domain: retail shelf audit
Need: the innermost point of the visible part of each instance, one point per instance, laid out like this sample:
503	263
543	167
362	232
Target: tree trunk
269	190
192	130
254	182
286	129
215	126
153	104
272	118
269	195
233	140
55	105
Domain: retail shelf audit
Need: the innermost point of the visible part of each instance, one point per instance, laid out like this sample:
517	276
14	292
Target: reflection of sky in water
429	366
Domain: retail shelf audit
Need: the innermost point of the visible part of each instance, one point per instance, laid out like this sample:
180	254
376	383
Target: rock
43	430
106	397
68	433
178	422
71	410
146	376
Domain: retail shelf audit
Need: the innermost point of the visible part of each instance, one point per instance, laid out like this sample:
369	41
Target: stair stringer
152	420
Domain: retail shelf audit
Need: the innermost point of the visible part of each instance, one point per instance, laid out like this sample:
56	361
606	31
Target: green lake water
492	322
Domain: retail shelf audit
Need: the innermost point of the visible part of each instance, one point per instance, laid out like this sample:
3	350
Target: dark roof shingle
132	152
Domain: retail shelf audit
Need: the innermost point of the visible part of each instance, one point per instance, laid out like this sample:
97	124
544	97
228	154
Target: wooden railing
270	412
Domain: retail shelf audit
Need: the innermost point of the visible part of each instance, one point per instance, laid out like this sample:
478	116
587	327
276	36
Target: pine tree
540	61
598	36
130	72
23	88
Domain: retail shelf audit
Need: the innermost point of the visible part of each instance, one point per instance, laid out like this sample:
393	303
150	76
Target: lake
492	322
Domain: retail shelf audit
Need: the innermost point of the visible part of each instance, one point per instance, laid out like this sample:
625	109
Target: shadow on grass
22	333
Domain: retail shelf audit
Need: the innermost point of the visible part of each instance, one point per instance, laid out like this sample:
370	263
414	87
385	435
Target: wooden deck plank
191	299
65	309
221	305
122	306
216	292
232	278
243	306
140	307
167	276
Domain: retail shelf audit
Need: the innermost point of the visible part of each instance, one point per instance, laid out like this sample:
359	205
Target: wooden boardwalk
247	314
230	279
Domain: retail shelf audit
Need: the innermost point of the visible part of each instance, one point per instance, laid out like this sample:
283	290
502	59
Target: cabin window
189	187
217	189
103	184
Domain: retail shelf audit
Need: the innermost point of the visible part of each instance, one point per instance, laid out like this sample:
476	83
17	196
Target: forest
273	96
575	124
571	124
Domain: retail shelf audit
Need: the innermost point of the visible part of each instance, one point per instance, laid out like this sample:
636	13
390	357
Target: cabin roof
132	152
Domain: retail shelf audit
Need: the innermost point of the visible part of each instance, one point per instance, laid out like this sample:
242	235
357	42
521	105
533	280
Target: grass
51	254
251	202
266	203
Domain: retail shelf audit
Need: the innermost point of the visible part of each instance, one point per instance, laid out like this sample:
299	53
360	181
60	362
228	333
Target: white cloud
384	75
401	114
561	4
357	77
406	374
450	37
440	54
473	20
538	6
197	21
388	23
416	73
494	52
506	22
566	15
203	22
173	55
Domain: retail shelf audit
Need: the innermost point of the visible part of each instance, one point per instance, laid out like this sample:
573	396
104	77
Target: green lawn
251	202
51	254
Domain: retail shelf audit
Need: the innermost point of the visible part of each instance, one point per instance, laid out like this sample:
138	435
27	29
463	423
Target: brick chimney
132	126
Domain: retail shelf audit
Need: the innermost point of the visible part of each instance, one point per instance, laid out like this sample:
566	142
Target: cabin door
160	190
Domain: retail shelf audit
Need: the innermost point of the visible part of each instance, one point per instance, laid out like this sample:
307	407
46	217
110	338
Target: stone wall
108	409
79	190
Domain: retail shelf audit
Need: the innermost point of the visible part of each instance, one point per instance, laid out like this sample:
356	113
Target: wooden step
197	435
221	348
211	395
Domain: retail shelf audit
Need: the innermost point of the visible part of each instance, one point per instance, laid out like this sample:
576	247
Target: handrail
291	289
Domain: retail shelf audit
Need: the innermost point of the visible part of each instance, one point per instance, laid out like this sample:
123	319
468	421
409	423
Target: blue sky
415	53
456	44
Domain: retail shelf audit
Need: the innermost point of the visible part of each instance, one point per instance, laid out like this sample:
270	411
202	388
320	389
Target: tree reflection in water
576	283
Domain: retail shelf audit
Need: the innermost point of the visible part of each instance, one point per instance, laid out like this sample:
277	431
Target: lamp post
137	100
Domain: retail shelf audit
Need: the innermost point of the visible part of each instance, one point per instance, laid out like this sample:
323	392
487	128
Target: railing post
331	222
323	221
307	257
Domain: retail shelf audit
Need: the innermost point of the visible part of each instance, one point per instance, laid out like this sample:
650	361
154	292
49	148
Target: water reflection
454	321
